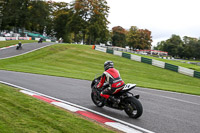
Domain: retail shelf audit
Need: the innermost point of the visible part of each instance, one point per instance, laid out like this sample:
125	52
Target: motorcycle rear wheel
97	101
133	107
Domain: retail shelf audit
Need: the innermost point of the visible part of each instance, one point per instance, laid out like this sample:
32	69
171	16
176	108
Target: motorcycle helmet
108	64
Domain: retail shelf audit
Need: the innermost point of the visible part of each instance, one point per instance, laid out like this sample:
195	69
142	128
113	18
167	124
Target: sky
162	17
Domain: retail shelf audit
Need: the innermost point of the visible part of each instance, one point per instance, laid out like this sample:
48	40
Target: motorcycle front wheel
99	102
133	107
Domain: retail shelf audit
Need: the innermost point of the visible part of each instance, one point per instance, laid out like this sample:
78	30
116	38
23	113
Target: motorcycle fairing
129	86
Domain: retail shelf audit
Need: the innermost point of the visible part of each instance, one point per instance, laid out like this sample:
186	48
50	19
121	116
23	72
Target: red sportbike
127	100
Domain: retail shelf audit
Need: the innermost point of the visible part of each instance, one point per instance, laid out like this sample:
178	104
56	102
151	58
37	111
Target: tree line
85	19
186	48
79	21
134	37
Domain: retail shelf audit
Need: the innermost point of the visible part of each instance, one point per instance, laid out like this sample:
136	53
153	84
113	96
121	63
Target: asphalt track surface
164	112
11	51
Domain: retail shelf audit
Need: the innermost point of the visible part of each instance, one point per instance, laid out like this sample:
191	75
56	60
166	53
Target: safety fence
48	40
153	62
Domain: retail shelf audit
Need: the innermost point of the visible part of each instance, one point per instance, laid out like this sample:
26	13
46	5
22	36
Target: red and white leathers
112	77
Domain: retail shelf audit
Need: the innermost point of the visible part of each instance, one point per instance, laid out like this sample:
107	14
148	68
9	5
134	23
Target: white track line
169	92
171	98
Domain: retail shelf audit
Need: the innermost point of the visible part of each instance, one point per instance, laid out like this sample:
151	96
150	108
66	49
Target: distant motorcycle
40	41
19	46
128	101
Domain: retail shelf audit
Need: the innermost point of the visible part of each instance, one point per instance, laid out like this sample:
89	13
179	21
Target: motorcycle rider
19	46
111	76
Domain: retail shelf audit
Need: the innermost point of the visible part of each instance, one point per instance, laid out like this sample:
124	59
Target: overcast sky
162	17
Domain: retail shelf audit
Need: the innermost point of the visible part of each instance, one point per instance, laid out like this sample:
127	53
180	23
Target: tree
159	46
77	23
197	49
25	14
173	44
15	14
145	39
61	15
132	37
40	13
139	38
118	36
187	48
61	26
92	17
85	20
191	47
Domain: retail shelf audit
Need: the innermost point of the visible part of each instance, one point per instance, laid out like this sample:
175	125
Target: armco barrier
135	58
110	51
37	39
117	53
146	60
196	74
48	40
171	67
158	63
11	38
2	38
186	71
126	55
153	62
24	38
101	49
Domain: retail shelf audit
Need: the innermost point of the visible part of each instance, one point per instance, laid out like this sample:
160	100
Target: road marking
122	127
48	100
169	92
171	98
107	120
96	117
8	47
26	92
68	107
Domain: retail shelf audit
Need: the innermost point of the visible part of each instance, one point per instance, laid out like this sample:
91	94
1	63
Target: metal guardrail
153	62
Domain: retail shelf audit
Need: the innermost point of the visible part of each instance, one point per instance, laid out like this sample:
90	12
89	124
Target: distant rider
40	40
19	46
111	76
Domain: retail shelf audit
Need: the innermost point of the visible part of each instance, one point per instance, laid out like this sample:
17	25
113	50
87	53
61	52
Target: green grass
82	62
20	113
13	42
174	62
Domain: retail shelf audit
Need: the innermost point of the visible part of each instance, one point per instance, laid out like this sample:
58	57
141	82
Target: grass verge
82	62
20	113
13	42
